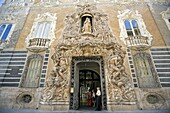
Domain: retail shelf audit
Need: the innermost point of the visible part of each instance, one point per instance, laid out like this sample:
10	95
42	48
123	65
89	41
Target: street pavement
78	111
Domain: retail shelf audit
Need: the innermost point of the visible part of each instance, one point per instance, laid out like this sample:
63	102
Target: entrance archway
87	73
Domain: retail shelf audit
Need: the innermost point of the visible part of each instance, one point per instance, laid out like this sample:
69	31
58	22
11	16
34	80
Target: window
4	31
42	29
145	71
132	28
1	2
32	71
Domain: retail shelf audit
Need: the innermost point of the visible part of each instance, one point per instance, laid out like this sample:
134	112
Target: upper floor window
132	28
42	30
1	2
4	31
43	27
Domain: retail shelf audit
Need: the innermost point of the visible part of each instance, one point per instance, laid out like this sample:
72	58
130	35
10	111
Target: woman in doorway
89	98
93	98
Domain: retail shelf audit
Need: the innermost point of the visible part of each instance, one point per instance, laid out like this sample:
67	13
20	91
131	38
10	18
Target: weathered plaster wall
156	10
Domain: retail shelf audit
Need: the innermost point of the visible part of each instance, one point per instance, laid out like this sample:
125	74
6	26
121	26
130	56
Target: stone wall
147	98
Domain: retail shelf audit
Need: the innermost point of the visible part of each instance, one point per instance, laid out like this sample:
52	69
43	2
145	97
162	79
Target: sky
1	1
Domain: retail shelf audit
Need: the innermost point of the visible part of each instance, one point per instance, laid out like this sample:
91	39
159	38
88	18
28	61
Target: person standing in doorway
93	98
89	98
98	99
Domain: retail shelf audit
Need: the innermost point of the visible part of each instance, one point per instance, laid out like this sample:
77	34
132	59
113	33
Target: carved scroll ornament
100	42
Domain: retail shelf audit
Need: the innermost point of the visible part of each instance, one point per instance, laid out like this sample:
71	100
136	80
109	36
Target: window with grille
32	71
145	71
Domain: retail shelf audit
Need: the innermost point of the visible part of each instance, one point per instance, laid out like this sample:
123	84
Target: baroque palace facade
53	51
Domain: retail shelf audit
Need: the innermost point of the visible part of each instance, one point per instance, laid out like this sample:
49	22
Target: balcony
138	42
38	44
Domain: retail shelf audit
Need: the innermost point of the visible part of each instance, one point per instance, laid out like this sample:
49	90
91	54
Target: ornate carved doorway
94	47
86	73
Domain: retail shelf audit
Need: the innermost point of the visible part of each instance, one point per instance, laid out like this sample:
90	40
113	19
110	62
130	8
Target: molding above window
41	43
139	42
166	17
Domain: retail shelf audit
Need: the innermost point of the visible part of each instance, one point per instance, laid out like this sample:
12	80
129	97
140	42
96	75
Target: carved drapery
100	42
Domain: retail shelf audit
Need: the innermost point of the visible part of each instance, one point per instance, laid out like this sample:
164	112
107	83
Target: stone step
78	111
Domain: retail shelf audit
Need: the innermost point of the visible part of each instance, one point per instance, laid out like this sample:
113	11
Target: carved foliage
98	43
119	82
57	84
72	31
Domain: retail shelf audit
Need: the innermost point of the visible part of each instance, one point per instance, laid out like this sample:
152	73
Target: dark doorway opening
88	80
86	73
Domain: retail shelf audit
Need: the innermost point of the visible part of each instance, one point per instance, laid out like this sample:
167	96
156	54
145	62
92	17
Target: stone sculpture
100	42
86	26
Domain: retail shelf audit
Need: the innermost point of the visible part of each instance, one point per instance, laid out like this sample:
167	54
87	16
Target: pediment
46	17
129	14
